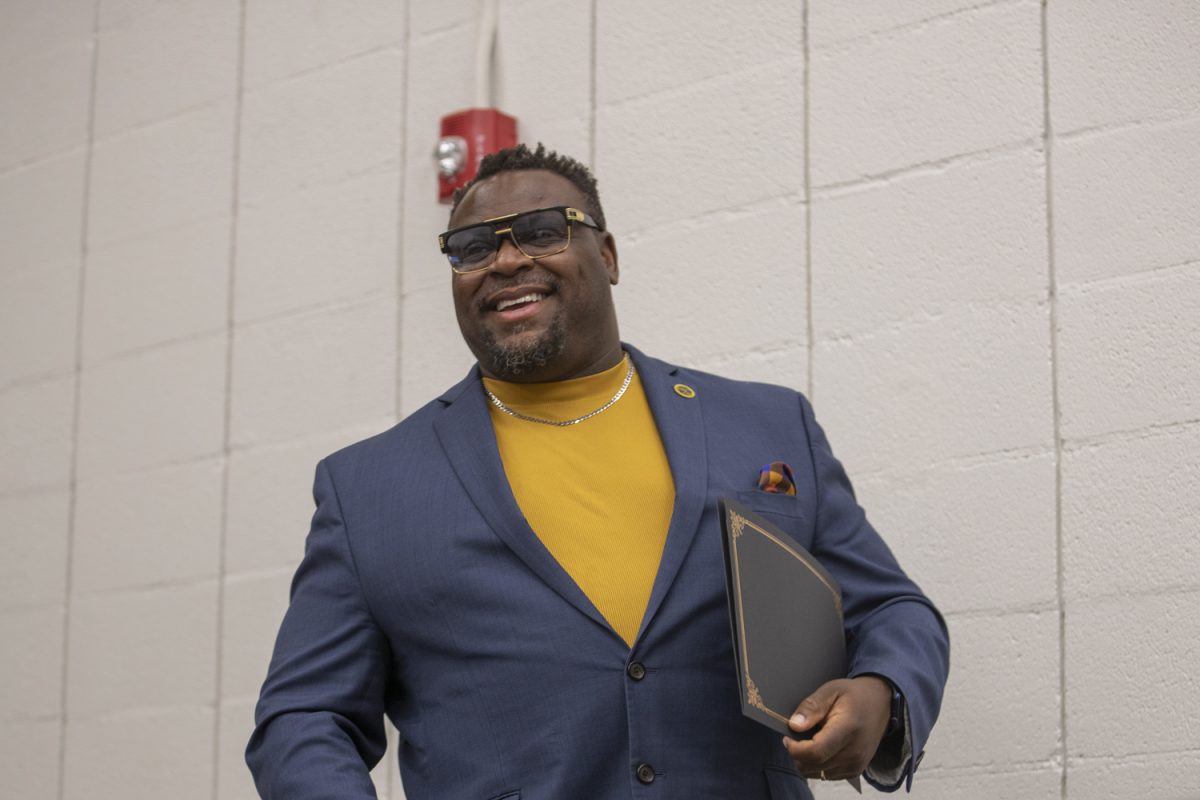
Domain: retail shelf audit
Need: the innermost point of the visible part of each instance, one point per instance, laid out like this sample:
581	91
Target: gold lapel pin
683	390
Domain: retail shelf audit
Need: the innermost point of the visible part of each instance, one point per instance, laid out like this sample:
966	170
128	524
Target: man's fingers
849	714
823	760
842	764
822	749
813	709
807	756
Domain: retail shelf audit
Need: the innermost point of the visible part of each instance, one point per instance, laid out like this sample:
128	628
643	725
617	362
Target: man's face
562	323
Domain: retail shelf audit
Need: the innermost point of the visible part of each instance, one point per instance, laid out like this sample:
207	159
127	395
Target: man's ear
608	251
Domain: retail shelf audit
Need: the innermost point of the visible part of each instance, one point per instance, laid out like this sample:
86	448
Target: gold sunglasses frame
572	215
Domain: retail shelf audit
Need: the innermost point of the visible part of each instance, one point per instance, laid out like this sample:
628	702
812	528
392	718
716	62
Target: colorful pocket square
777	478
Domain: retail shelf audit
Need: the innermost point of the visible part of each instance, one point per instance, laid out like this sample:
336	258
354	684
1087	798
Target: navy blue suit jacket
424	595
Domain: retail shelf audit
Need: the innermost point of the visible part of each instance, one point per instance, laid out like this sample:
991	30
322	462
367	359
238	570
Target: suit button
636	671
645	773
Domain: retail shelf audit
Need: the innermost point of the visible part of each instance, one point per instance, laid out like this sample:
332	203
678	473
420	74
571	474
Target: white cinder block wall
970	231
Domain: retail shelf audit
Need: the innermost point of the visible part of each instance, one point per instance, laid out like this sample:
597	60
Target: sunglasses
537	234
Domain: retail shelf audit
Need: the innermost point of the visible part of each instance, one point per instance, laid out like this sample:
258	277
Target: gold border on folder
737	527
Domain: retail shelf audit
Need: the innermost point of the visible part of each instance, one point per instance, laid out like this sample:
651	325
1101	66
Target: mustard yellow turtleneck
598	494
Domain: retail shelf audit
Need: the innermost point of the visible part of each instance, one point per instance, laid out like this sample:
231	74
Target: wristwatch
896	717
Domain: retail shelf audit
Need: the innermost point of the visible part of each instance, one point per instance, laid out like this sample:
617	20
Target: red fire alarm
468	136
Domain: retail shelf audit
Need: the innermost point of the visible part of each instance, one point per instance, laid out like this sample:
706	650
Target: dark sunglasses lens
540	232
471	248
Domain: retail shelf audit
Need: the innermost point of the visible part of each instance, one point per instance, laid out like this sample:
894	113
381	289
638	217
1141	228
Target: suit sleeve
892	629
319	721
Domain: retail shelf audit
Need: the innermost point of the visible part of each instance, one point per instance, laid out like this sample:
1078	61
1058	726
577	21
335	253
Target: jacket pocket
507	796
784	511
789	505
786	784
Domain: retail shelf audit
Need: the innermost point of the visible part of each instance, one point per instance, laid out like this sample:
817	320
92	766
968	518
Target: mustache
497	283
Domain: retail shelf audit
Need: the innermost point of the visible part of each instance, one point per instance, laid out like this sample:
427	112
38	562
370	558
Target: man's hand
853	715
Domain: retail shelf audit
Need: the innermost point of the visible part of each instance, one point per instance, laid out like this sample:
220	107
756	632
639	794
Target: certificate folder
785	610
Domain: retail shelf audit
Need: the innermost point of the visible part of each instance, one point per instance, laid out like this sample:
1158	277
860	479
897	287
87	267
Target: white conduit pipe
485	47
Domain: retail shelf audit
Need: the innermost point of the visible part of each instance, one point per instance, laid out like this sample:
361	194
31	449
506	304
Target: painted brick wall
967	229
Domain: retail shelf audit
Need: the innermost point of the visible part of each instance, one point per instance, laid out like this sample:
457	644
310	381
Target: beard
510	362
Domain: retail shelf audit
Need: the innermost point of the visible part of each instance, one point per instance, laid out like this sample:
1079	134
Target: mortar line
29	162
874	180
227	437
706	217
1128	435
808	210
300	75
706	85
1052	296
34	379
401	226
76	405
1168	119
592	92
875	36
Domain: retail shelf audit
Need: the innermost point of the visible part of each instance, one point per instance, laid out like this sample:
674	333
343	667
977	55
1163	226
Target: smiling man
545	316
526	577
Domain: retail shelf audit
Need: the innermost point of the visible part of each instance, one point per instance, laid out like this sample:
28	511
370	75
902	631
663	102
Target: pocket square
777	478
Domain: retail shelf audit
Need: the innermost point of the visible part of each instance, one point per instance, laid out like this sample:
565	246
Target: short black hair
521	157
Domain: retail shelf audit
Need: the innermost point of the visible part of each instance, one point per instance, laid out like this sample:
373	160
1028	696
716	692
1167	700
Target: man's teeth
516	301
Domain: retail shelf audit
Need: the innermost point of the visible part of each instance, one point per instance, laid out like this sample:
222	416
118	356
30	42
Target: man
525	575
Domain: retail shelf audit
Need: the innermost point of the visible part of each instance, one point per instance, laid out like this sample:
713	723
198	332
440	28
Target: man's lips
520	308
528	297
515	297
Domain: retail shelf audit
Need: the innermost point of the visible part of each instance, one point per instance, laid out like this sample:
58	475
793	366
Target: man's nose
509	257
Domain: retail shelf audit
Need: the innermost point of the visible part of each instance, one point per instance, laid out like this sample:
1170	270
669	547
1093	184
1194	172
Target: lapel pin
683	390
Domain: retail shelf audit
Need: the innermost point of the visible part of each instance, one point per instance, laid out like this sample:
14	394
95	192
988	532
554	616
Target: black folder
785	611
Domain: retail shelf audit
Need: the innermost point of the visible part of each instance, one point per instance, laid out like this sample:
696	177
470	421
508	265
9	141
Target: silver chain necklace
567	422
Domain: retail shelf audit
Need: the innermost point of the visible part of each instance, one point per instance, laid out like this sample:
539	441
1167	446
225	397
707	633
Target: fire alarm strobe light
468	136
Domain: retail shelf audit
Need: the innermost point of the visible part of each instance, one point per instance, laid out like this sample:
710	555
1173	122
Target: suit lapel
681	428
465	431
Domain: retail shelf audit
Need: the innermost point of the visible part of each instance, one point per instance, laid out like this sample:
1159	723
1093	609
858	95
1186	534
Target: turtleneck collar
567	398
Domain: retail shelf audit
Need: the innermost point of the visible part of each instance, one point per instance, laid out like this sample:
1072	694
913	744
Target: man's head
522	158
537	317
